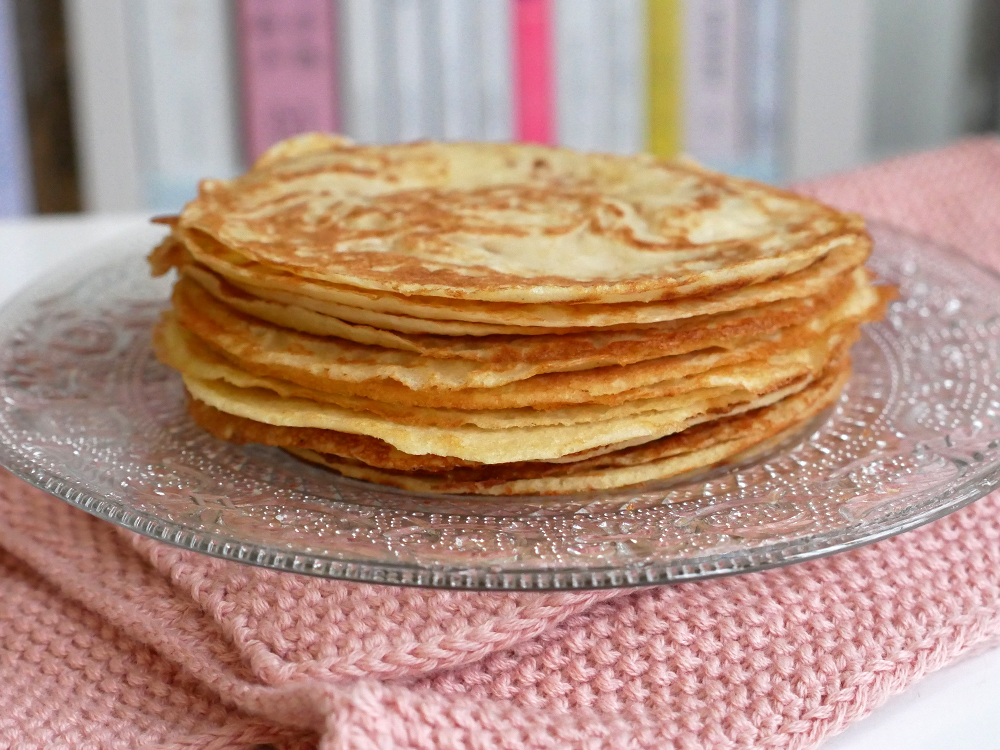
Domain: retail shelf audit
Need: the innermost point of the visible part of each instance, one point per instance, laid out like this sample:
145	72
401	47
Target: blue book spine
767	110
15	179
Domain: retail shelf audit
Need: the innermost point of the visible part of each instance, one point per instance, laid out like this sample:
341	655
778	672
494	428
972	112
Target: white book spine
411	68
437	69
494	40
185	96
106	139
15	176
830	105
600	74
583	74
923	73
627	105
714	108
461	70
432	87
461	90
387	94
365	74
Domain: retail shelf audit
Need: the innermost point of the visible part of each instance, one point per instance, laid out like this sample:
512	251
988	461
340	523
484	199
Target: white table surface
955	708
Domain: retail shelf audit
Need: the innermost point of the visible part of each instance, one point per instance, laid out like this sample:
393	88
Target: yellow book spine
665	81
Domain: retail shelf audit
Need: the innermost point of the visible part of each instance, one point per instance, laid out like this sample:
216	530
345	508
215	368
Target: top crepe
511	223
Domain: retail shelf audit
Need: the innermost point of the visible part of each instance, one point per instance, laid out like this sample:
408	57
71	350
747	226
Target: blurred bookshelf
117	105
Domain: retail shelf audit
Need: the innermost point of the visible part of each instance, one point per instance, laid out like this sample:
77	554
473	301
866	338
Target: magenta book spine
288	65
534	105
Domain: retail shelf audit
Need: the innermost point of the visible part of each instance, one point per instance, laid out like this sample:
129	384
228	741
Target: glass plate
88	414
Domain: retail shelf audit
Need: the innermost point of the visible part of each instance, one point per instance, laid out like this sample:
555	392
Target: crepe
492	363
511	222
192	358
198	254
697	448
504	319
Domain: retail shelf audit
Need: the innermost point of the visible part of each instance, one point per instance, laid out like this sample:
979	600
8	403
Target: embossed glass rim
762	557
541	579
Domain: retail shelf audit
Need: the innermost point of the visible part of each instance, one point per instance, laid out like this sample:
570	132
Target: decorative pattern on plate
88	414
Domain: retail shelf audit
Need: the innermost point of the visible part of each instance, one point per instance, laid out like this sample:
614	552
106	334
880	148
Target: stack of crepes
507	319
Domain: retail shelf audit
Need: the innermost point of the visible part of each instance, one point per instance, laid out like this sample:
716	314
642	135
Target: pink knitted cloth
109	640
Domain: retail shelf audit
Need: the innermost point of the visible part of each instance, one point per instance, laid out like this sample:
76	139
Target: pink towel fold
109	640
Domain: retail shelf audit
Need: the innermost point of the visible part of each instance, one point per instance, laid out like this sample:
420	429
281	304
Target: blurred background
123	105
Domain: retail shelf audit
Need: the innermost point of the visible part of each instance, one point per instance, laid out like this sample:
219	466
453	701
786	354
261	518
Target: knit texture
110	640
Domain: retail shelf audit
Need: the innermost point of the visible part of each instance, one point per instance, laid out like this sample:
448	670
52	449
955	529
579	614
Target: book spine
42	54
187	131
371	114
768	65
583	63
411	55
715	111
288	64
534	110
461	76
102	96
665	76
494	37
600	74
627	110
930	74
15	180
445	64
830	104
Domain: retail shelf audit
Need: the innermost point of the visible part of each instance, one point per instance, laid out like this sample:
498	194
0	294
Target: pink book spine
534	109
288	65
